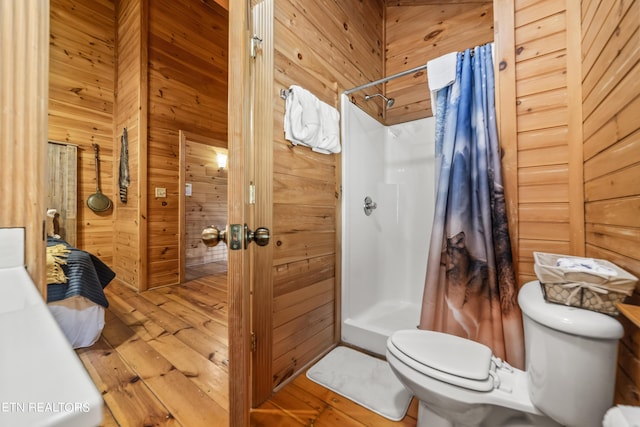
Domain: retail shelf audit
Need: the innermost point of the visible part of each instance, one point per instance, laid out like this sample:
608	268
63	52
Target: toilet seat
448	358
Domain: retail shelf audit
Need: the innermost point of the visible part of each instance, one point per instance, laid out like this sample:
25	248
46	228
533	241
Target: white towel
330	130
441	72
301	117
311	122
586	265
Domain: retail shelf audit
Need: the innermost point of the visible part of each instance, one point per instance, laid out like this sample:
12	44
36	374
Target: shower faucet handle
369	205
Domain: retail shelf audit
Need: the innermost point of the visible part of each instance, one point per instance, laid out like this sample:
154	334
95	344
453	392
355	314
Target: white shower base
371	329
384	254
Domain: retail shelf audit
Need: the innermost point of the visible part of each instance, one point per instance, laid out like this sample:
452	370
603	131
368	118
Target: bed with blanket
75	291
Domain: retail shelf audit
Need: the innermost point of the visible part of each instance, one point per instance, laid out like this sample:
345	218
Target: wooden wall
417	33
326	47
611	101
23	126
546	215
129	234
81	105
187	89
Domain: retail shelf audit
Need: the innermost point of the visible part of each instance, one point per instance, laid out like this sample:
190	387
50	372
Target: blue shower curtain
470	287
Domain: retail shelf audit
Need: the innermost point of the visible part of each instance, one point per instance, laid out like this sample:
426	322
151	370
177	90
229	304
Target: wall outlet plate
161	192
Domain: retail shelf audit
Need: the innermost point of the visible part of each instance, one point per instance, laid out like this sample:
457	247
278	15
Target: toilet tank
571	356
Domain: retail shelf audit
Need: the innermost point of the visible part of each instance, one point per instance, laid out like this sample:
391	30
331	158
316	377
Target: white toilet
570	377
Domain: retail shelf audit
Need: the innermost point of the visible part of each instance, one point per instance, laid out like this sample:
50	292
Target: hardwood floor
162	358
162	361
193	272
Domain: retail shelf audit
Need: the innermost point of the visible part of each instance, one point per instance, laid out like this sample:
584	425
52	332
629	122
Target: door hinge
256	43
253	342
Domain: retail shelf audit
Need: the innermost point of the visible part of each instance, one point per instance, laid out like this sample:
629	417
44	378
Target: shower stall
387	214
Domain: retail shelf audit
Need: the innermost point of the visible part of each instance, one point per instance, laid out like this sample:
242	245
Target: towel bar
284	93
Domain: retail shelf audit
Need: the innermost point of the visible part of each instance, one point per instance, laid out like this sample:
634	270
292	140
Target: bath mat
364	379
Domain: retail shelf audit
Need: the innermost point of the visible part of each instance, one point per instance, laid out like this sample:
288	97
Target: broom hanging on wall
123	180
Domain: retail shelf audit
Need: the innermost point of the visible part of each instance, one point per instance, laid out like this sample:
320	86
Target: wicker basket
592	290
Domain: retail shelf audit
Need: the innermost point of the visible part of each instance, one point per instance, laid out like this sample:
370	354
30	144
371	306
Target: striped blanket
86	275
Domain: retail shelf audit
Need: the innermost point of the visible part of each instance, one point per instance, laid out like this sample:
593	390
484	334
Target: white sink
11	298
42	380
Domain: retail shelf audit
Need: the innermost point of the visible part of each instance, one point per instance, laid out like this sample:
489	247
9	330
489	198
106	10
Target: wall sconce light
222	160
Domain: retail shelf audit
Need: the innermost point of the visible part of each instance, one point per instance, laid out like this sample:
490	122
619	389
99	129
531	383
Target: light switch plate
161	192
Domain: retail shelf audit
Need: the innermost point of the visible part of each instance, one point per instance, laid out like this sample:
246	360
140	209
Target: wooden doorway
203	202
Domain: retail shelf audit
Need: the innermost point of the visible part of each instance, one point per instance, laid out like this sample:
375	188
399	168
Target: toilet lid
447	357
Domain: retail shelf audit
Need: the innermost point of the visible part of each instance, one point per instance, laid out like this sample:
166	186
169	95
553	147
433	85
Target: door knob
260	236
212	235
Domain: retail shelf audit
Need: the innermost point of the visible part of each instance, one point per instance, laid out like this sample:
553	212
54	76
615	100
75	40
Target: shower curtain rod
386	79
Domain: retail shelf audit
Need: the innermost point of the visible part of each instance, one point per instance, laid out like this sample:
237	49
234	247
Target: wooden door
250	190
261	95
239	156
